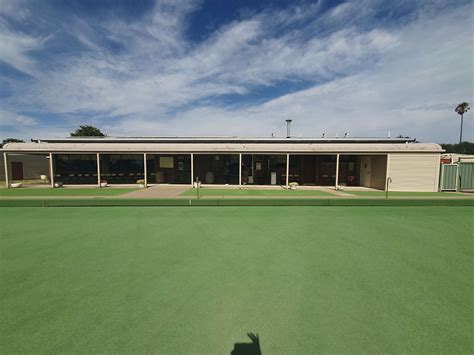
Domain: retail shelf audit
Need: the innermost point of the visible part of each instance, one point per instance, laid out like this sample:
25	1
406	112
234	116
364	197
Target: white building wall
33	166
414	172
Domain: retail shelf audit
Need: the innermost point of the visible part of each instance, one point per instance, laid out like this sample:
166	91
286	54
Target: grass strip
26	192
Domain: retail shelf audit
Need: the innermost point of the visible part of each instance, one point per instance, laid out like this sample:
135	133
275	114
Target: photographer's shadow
252	348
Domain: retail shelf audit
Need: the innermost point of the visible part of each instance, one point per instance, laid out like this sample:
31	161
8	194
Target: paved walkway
157	192
339	193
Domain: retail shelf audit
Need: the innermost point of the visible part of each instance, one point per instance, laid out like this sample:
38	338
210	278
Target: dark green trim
231	202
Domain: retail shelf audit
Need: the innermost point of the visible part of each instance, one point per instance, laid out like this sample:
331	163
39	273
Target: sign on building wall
166	162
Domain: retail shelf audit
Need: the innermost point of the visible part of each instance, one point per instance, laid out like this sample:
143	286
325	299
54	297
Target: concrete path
173	191
339	193
157	192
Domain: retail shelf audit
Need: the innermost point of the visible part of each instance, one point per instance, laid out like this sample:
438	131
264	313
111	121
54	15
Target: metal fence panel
466	176
448	176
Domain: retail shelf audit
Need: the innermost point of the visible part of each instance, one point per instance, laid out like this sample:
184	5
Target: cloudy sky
236	67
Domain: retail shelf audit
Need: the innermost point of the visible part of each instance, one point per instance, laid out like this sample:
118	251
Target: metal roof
228	139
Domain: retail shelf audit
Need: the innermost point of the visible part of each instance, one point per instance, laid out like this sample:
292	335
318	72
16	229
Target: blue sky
230	67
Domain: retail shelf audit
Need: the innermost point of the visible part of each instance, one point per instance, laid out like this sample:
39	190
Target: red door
17	170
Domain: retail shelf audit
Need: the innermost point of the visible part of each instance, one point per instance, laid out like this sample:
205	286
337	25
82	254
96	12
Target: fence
457	177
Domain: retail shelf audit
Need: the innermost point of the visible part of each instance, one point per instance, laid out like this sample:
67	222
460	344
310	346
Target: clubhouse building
371	162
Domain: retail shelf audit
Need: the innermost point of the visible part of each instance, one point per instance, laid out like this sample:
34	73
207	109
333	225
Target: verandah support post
387	170
457	177
438	167
51	169
98	170
287	170
145	172
240	169
5	165
337	171
192	169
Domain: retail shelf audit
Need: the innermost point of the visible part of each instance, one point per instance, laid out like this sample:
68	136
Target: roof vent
288	128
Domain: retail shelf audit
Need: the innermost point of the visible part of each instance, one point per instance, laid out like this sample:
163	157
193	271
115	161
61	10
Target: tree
11	140
463	148
461	109
87	131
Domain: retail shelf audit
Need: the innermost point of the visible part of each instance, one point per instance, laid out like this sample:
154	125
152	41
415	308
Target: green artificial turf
65	191
176	280
255	192
407	194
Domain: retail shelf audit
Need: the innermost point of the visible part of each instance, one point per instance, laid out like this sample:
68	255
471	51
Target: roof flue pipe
288	128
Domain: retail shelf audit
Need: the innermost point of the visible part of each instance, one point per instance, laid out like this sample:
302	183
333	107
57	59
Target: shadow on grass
252	348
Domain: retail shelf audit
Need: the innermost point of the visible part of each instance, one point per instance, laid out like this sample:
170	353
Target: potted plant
141	183
104	183
293	185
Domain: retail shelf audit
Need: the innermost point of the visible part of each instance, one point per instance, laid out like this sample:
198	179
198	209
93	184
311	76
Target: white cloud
343	10
14	48
235	59
12	119
366	80
412	90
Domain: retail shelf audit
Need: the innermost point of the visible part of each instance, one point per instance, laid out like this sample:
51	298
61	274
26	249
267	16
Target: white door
365	171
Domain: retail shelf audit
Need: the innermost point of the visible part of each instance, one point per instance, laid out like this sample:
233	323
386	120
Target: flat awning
265	148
